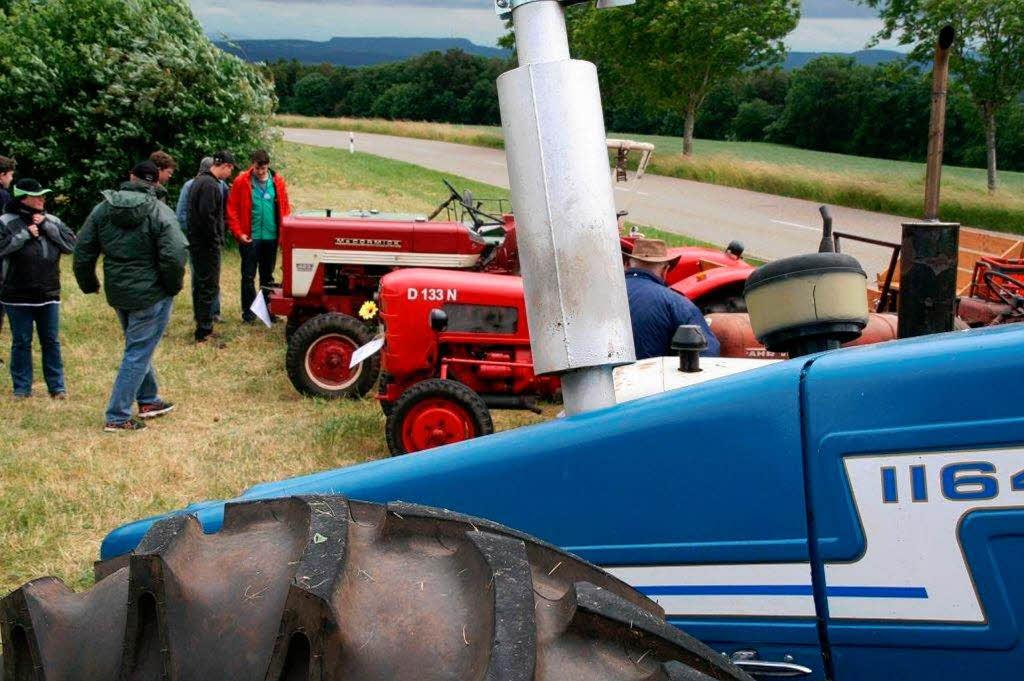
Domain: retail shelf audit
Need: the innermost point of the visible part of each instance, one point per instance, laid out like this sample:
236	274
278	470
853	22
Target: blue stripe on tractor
784	590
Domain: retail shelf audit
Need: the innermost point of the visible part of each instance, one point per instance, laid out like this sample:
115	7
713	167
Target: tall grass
885	186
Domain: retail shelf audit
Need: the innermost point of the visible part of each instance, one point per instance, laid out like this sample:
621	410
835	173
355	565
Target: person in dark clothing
143	268
7	168
206	237
655	309
31	243
182	213
257	204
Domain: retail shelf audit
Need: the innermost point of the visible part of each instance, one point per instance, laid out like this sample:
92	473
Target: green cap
29	187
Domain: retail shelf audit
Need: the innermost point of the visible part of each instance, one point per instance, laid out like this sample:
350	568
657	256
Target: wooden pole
937	127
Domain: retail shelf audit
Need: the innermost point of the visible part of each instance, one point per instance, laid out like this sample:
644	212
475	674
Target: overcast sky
827	25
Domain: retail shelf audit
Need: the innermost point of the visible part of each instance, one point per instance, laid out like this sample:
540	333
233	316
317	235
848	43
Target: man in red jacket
257	203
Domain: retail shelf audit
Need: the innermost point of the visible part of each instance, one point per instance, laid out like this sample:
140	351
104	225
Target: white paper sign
259	308
366	352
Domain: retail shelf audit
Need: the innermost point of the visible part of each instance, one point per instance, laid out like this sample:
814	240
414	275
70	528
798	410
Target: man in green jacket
143	268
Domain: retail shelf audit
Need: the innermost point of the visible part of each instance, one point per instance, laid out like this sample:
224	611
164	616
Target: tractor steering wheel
479	217
1005	293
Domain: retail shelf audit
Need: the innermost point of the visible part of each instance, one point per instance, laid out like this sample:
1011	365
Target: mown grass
64	483
885	186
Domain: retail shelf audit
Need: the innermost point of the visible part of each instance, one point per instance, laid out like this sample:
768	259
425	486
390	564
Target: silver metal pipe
588	390
555	143
541	35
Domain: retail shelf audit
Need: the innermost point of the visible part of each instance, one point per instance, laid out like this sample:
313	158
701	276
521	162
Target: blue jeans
46	319
136	380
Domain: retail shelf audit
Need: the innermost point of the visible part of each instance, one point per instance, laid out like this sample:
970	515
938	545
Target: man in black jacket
206	237
31	243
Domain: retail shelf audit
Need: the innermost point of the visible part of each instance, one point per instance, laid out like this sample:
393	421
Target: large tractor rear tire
435	413
318	358
329	589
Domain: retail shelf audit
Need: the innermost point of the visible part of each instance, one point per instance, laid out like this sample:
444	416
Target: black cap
146	171
26	186
223	156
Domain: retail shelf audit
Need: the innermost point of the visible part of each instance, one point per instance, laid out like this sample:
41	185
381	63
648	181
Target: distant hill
352	51
355	51
796	60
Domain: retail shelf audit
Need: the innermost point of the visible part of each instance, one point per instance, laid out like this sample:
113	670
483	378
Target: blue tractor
852	515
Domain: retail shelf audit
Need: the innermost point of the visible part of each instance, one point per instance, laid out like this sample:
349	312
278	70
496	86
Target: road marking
794	224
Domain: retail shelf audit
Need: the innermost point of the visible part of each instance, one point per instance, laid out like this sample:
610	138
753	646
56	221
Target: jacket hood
130	205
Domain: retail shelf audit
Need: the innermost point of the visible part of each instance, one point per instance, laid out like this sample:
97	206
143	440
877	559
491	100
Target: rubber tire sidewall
317	327
433	388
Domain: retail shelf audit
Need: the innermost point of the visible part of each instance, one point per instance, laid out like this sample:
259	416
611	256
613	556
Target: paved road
770	226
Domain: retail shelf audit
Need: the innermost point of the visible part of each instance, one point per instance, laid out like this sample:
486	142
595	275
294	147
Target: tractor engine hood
621	485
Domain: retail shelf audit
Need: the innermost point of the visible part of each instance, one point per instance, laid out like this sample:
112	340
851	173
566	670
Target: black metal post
928	278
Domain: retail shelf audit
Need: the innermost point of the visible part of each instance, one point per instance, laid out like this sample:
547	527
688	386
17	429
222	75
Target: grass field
895	187
64	483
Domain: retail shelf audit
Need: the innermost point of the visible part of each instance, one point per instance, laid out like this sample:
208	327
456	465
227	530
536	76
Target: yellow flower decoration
369	310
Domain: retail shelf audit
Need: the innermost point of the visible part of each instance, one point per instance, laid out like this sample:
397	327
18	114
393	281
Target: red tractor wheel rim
436	422
327	362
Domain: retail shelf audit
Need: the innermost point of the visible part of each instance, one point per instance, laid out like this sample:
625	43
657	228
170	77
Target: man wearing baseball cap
206	238
655	309
31	243
143	253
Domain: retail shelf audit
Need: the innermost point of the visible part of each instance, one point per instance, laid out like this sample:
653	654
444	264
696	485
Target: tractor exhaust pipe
557	157
930	253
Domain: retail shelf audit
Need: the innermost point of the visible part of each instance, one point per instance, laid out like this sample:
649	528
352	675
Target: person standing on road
143	269
206	237
31	243
655	310
182	213
257	204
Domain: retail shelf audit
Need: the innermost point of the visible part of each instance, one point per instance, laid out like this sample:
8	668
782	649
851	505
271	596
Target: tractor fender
702	284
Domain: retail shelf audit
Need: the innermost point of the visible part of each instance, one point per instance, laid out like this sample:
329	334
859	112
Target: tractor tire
329	589
435	413
318	356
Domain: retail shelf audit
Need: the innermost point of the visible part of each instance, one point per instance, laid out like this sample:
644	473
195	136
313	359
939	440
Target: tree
673	52
91	86
311	95
988	54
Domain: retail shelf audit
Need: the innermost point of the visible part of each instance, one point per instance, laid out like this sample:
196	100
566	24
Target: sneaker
21	396
59	396
151	411
130	425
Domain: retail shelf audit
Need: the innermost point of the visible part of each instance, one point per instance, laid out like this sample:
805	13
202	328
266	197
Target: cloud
837	9
827	25
836	35
323	19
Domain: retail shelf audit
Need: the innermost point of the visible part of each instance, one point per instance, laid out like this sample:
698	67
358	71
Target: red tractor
457	345
333	266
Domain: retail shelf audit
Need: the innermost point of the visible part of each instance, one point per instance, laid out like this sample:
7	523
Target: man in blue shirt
655	309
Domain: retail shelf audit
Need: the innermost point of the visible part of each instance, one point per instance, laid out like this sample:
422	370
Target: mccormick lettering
372	243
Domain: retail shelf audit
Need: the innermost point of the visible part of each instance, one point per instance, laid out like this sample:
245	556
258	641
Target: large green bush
88	87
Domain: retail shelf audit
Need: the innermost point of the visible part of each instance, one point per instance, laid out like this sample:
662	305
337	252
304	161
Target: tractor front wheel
324	588
435	413
319	354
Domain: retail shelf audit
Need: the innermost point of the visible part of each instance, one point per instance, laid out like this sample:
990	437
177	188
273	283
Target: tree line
831	104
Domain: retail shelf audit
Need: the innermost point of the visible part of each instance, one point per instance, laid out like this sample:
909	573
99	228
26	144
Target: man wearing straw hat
655	309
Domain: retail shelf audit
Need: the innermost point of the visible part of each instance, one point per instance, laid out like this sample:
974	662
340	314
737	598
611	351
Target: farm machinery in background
333	266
